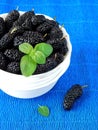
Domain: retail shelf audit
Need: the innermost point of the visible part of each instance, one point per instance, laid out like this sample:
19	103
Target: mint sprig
33	56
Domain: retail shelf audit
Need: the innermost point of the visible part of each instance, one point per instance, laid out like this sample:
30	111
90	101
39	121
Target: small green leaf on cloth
43	110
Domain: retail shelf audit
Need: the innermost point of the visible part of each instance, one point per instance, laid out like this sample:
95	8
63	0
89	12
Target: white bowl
36	85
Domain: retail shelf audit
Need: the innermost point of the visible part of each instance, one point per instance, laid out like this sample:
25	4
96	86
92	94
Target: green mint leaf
47	49
27	65
39	57
43	110
25	48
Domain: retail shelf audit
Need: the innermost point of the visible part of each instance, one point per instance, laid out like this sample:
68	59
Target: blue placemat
80	18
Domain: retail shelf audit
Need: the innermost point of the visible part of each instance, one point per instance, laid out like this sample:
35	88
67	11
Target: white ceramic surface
35	85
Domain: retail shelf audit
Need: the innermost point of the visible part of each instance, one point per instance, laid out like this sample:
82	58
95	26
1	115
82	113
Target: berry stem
62	26
45	35
39	105
17	8
84	86
13	30
65	36
32	9
54	18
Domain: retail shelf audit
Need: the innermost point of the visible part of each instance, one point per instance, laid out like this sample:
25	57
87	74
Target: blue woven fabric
80	18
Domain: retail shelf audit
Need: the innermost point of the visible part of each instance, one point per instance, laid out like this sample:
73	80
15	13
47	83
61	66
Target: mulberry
59	45
32	38
56	43
68	102
18	30
72	94
44	28
64	49
2	27
27	25
13	54
32	34
14	67
56	32
19	40
6	41
23	17
52	23
11	18
37	20
59	57
2	61
49	65
35	37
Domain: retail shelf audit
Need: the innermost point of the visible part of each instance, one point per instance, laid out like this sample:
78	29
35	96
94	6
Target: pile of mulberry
31	28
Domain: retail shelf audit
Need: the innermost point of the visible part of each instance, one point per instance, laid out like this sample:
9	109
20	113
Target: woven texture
80	18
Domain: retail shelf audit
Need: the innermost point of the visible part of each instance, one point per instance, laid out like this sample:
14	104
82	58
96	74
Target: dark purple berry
63	50
19	40
23	17
71	95
58	57
52	23
27	24
29	36
18	30
14	67
59	45
2	61
76	90
2	27
6	41
37	20
35	37
56	32
44	28
11	18
49	65
68	102
56	44
13	54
